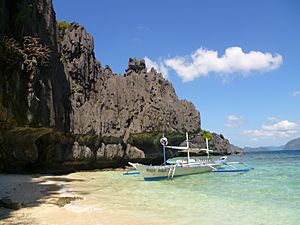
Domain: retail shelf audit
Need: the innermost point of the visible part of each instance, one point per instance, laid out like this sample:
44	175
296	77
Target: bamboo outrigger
185	166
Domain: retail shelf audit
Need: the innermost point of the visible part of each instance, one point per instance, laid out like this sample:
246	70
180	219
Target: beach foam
80	209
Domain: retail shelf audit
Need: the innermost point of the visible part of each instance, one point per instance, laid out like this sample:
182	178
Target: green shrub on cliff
62	25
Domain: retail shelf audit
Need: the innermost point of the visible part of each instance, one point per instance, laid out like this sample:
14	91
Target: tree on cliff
205	134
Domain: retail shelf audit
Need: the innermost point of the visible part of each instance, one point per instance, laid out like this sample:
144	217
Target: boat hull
163	172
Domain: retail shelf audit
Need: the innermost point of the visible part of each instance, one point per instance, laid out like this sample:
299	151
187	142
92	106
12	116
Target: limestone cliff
59	108
33	92
114	105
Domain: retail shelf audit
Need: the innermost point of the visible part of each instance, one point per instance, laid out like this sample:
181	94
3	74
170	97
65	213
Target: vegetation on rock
27	53
63	25
206	135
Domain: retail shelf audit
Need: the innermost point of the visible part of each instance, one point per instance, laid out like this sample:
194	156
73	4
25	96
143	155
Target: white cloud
159	67
281	129
203	61
272	118
283	125
234	121
296	93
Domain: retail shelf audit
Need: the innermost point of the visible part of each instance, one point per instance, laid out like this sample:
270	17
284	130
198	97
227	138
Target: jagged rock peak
80	63
135	66
107	72
77	34
113	105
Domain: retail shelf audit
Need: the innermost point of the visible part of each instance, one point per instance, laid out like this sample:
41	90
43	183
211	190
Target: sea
267	195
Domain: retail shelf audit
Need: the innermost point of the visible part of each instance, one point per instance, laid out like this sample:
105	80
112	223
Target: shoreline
51	199
39	196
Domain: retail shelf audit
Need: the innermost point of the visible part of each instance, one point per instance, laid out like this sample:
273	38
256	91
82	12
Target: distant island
293	144
290	145
262	149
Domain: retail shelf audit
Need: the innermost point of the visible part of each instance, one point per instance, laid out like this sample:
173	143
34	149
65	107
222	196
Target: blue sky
237	61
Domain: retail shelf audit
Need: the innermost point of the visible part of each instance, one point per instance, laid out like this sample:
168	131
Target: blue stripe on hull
154	178
166	177
233	170
131	173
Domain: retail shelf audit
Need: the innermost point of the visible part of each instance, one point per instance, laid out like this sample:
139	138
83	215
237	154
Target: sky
237	61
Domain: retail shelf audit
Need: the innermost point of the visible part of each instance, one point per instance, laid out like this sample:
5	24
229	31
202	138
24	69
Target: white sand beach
44	201
40	197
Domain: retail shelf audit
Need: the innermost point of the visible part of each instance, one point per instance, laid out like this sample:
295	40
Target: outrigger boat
184	166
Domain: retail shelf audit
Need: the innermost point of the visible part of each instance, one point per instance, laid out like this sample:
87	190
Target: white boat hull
163	172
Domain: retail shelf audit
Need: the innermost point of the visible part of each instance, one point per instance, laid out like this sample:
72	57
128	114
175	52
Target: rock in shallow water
9	204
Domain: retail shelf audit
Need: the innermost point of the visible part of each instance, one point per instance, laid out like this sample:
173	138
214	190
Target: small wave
64	190
81	209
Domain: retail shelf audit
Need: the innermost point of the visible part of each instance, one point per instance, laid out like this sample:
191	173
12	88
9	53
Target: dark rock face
293	144
142	103
9	204
135	66
110	104
106	152
49	87
132	152
81	152
81	66
19	148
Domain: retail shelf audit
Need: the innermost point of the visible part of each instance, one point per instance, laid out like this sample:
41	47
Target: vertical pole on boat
164	150
188	147
207	147
164	142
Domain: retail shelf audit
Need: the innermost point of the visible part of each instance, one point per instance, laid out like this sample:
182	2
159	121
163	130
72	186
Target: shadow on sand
31	191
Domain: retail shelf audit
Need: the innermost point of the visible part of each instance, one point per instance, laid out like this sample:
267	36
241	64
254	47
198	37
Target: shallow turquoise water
270	194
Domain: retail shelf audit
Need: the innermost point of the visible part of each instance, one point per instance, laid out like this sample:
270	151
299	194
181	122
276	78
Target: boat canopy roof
177	147
196	150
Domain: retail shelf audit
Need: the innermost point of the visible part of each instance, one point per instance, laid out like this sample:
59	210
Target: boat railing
171	172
